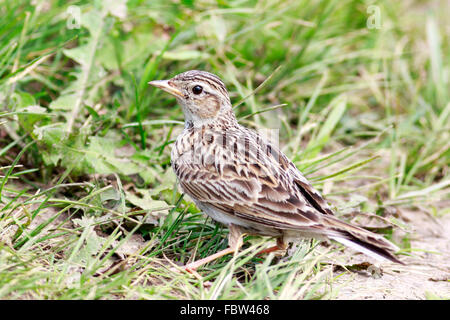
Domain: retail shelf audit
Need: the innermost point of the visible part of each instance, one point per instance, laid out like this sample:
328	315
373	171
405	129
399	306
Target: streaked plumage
240	179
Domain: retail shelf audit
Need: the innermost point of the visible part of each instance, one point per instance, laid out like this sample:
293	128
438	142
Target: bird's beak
167	86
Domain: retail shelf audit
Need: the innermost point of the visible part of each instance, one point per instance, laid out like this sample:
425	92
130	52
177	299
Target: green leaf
22	100
79	54
92	20
93	113
144	200
100	155
91	244
36	114
64	102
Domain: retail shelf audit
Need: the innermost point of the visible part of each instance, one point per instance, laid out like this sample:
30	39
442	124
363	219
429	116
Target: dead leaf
130	247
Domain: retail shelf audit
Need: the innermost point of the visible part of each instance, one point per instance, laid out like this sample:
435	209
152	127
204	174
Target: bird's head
202	95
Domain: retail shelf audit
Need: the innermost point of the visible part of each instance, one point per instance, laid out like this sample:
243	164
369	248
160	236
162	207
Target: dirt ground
426	274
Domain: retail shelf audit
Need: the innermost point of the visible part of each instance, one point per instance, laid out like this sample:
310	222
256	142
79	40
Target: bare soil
426	274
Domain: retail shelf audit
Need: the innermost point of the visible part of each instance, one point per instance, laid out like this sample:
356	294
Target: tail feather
367	248
362	240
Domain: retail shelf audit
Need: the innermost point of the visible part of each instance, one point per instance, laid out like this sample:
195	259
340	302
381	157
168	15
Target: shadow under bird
242	180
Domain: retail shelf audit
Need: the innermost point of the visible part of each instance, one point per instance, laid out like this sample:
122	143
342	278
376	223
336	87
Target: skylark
240	179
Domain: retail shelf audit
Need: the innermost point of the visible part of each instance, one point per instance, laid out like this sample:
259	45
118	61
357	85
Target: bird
244	181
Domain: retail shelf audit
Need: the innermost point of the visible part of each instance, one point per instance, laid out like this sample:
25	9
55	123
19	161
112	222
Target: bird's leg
279	246
234	242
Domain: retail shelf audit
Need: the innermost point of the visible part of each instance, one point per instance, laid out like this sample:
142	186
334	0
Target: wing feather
252	180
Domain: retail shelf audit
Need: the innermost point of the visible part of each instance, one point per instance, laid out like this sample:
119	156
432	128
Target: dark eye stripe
213	83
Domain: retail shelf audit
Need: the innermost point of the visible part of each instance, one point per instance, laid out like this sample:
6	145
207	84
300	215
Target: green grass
89	207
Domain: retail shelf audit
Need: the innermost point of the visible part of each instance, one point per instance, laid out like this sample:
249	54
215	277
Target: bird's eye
197	89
